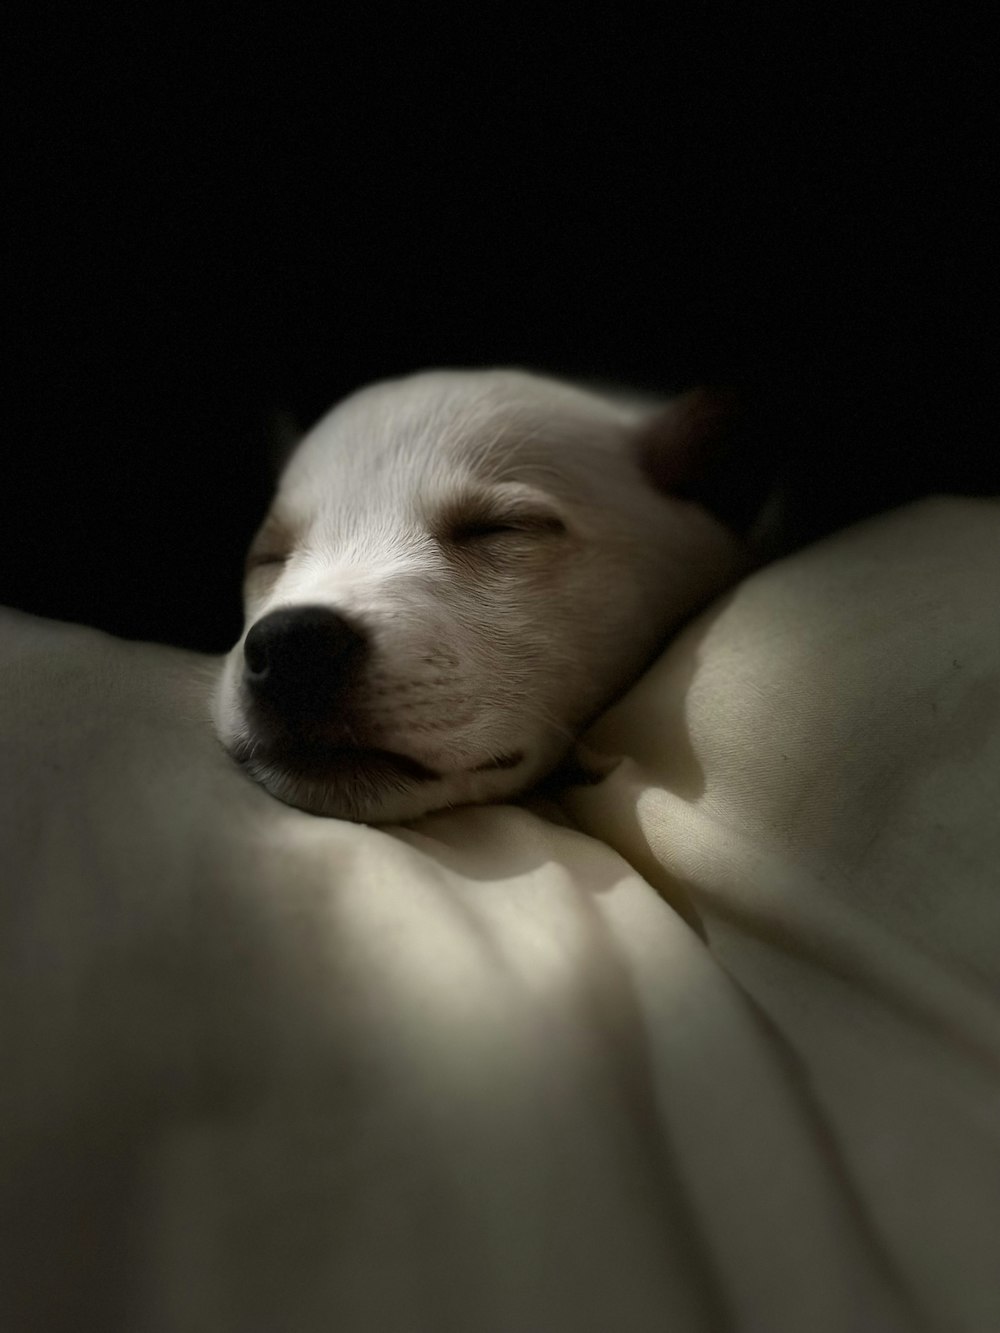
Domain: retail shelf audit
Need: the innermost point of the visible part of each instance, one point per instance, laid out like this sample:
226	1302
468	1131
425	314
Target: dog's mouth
332	763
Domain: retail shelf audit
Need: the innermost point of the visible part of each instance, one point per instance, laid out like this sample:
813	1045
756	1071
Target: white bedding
725	1054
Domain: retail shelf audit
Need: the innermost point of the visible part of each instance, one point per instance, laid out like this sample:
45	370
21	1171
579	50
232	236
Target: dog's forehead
433	430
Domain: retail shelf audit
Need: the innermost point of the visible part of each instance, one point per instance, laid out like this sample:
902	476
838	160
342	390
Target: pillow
723	1051
811	777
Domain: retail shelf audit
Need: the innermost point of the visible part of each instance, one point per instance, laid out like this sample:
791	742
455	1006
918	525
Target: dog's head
458	571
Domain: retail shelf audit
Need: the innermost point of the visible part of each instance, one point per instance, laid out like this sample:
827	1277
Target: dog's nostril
255	652
299	658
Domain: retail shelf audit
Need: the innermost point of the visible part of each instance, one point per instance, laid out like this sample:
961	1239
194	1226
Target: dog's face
458	571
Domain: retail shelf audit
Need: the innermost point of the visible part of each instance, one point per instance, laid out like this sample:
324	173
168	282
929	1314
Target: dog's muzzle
300	667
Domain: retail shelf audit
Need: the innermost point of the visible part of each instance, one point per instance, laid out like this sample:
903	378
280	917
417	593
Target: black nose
298	660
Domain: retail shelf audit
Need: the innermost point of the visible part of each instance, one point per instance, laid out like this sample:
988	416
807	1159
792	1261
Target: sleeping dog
460	569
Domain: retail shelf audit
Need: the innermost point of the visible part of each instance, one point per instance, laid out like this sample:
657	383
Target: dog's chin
365	785
371	786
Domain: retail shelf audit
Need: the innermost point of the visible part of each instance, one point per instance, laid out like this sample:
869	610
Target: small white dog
461	569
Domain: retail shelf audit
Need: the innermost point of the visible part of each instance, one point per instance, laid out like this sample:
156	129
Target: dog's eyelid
271	545
475	527
258	558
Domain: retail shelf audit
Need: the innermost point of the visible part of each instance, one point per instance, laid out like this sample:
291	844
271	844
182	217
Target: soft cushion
713	1043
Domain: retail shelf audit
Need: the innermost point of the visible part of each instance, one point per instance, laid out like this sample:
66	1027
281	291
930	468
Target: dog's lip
329	762
501	761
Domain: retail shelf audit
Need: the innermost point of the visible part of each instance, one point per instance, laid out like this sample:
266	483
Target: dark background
211	218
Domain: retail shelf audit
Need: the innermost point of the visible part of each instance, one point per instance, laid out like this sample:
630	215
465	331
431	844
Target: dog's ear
704	446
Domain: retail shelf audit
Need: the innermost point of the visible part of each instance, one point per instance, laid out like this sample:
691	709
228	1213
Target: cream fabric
726	1054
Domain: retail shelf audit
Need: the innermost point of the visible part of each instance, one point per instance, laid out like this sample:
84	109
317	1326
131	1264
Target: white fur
489	647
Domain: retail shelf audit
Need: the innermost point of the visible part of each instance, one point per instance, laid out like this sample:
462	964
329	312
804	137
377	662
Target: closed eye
262	559
271	546
465	531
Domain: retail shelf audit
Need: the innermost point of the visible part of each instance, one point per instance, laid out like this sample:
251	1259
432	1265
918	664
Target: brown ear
680	441
698	447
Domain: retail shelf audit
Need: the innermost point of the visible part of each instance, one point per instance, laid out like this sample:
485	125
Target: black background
216	216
